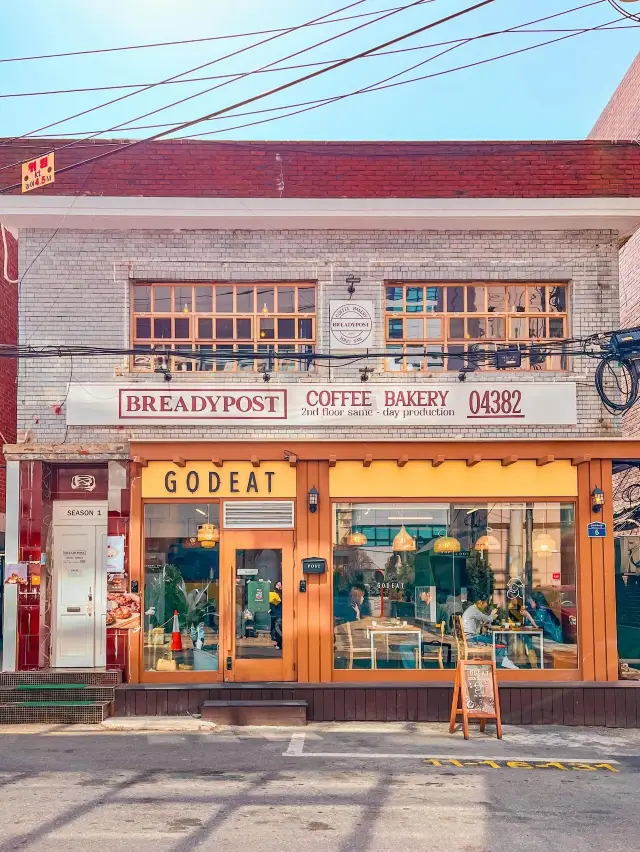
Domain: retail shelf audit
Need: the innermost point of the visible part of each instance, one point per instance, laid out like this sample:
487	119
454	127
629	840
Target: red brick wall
620	119
341	169
8	366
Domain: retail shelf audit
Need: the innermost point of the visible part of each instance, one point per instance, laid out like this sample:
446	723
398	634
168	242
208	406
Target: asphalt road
325	788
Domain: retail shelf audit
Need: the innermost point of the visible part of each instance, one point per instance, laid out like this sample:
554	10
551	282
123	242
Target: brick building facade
453	245
8	367
619	120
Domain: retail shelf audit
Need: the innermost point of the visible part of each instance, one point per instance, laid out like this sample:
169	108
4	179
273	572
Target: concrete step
284	713
56	692
50	676
54	712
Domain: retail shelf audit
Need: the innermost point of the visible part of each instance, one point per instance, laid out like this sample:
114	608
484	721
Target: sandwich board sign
475	695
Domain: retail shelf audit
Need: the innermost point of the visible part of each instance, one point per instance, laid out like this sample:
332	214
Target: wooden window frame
419	355
430	676
270	349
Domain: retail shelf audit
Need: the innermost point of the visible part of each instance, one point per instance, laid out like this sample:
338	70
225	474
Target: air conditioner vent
258	515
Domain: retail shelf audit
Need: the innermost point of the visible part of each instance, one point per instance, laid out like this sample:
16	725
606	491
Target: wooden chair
344	646
479	652
431	651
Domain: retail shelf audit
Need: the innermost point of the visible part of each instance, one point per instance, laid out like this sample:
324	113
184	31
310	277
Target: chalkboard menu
475	695
477	687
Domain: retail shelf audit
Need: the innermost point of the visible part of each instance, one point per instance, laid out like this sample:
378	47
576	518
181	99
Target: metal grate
93	678
258	515
96	693
16	714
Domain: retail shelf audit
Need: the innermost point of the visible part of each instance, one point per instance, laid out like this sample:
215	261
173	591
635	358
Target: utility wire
191	70
294	67
239	76
516	29
201	40
372	88
384	84
280	88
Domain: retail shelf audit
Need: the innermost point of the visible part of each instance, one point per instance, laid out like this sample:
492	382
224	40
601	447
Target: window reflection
181	588
422	585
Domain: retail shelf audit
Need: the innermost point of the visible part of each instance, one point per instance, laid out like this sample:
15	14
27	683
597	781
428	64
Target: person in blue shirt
543	617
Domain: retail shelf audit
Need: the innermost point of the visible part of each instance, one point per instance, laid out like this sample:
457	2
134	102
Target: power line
295	67
381	85
199	40
372	88
190	71
518	28
273	91
239	76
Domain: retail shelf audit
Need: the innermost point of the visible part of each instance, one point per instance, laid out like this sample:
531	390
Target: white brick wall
76	292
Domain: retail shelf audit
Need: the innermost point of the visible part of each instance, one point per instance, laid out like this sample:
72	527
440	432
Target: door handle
231	617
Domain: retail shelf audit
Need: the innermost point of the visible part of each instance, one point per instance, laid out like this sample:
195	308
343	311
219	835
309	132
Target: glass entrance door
259	623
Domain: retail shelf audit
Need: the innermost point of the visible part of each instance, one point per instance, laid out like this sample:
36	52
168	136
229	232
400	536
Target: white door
79	639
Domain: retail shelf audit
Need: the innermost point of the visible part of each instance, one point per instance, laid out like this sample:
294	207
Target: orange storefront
349	563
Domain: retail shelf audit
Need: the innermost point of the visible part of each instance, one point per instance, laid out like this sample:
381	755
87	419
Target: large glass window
225	327
420	585
424	320
181	587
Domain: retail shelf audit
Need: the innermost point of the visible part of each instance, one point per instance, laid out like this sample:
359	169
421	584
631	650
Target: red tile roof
340	169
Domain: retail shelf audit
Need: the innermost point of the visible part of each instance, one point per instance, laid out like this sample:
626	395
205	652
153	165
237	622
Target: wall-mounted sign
351	324
83	482
15	573
596	529
38	172
430	404
115	554
314	565
79	513
203	479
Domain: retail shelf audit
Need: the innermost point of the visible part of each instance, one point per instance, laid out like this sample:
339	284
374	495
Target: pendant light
487	542
446	544
403	542
355	539
544	545
208	535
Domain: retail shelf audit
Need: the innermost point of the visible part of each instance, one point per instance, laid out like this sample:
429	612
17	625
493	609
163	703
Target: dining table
386	628
521	632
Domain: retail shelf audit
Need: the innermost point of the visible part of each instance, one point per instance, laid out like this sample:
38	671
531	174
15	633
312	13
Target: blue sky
554	92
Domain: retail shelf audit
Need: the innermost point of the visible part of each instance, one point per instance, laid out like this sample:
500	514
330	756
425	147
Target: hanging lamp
403	542
446	544
208	535
544	545
355	539
487	542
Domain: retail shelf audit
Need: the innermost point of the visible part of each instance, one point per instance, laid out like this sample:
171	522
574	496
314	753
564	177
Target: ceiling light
446	544
404	542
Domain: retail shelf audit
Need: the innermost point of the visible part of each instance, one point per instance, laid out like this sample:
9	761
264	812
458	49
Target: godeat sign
425	404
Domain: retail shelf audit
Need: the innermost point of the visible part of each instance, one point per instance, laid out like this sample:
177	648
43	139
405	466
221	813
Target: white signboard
115	554
425	404
351	324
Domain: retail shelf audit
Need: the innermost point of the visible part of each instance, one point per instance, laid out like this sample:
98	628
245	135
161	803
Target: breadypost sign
297	404
351	324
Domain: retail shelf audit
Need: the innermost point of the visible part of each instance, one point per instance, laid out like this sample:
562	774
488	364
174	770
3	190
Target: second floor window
248	327
438	327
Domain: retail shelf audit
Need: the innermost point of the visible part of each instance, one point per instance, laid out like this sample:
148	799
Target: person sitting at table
474	620
542	616
357	608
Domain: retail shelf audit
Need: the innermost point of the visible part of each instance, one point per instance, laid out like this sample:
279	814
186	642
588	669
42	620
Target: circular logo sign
351	325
